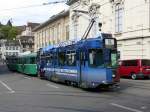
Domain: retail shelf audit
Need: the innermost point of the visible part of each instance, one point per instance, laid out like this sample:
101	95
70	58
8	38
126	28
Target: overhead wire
32	6
63	1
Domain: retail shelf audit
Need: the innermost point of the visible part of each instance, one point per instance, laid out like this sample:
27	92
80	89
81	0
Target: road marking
52	86
124	107
6	86
27	77
143	107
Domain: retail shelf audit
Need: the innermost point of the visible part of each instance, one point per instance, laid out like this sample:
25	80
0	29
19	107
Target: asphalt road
21	93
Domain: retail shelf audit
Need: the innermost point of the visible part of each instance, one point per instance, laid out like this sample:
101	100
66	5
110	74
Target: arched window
118	18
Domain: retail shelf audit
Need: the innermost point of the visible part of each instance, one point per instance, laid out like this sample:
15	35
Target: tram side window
61	58
95	57
32	60
48	59
20	60
14	60
9	60
25	61
71	58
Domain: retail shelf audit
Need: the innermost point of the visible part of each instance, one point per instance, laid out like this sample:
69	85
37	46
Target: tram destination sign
109	43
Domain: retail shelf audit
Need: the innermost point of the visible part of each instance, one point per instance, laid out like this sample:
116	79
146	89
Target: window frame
70	62
102	59
118	18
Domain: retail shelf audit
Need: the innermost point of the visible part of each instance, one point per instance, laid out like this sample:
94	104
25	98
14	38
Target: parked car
137	68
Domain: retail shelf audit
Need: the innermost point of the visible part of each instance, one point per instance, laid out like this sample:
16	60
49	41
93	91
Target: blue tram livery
88	63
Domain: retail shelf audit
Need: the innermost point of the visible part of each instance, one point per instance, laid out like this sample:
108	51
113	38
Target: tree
9	23
13	32
8	32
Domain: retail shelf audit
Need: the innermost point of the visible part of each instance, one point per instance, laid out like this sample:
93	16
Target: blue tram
88	63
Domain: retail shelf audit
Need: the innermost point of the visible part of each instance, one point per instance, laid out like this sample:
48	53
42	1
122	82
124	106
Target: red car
137	68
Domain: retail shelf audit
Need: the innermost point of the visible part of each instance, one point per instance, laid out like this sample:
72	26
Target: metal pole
149	15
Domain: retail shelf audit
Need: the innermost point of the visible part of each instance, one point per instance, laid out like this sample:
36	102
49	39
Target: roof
25	37
52	19
32	25
29	24
21	28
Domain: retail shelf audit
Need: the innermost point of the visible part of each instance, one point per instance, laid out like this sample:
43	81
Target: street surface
22	93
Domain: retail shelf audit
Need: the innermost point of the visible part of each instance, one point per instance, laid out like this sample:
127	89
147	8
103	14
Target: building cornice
52	19
133	38
70	2
117	1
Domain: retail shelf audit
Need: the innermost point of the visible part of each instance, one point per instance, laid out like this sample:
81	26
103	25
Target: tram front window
95	58
112	60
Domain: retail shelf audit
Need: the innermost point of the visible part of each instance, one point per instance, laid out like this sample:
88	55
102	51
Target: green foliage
8	32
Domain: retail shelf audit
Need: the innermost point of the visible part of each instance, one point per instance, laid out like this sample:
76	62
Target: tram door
82	70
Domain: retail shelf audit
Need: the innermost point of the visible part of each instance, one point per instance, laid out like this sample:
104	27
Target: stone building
9	48
52	31
26	38
127	20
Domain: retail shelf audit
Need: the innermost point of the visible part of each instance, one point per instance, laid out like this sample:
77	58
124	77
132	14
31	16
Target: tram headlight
113	75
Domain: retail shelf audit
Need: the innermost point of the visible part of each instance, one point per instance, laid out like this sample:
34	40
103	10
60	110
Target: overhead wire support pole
85	35
149	15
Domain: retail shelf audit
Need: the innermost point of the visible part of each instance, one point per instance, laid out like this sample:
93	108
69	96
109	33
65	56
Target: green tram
24	64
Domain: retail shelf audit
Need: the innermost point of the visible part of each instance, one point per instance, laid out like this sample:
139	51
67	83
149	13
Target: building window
118	18
17	48
27	46
13	47
10	48
53	35
67	32
30	46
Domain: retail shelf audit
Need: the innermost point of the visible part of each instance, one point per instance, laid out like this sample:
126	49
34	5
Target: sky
36	12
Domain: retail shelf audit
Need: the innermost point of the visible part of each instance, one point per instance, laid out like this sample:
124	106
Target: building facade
9	48
127	20
53	31
26	37
2	49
